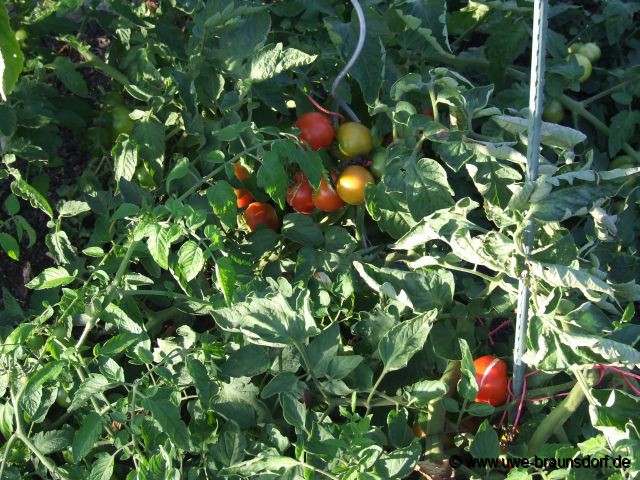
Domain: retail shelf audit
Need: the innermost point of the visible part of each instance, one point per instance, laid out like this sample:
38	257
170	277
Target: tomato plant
586	66
316	130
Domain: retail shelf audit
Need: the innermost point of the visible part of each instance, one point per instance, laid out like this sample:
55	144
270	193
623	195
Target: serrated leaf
71	208
51	278
102	468
190	260
273	177
52	441
10	246
25	191
223	202
404	340
125	158
93	385
11	57
60	247
168	417
85	438
69	76
226	277
623	126
271	60
179	170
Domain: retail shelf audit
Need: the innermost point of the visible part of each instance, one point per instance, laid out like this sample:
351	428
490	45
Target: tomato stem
558	416
437	413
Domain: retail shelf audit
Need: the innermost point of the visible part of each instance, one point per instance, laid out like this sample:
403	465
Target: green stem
610	90
317	470
367	402
437	413
308	367
558	416
109	295
578	108
7	449
97	62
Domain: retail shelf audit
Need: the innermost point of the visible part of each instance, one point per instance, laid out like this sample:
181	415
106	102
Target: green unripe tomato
553	112
21	35
62	398
378	162
622	161
121	121
145	178
585	64
573	48
590	50
35	343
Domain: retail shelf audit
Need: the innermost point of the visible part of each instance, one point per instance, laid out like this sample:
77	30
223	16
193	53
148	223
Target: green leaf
168	417
85	438
273	177
60	247
25	191
125	158
94	384
231	445
467	385
159	243
271	60
201	379
179	170
424	391
148	134
11	58
70	77
116	344
427	188
102	468
223	202
226	277
485	442
71	208
7	122
294	411
404	340
51	278
623	127
10	246
190	260
268	321
300	228
492	179
48	372
52	441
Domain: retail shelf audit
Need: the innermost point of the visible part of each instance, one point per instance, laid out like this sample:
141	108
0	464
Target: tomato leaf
404	340
11	57
273	178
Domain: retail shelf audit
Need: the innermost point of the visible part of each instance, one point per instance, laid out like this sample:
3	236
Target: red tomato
259	213
491	375
299	195
241	172
243	197
428	112
326	198
316	130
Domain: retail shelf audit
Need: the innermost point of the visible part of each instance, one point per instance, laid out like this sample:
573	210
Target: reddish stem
324	110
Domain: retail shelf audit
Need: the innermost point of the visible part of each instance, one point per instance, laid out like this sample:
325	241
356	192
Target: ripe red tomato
243	197
326	198
315	130
354	139
240	172
259	213
491	375
352	182
299	195
428	112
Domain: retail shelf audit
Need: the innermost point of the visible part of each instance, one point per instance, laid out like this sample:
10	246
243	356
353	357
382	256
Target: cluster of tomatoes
585	54
316	132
